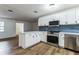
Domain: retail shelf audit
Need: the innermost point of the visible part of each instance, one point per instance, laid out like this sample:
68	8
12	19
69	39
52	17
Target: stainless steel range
53	36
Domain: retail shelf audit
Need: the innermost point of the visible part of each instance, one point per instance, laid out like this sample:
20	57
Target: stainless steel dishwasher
71	42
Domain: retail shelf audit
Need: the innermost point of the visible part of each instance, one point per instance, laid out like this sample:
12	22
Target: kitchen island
28	39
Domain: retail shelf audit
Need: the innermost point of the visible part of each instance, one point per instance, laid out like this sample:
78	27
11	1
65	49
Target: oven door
52	39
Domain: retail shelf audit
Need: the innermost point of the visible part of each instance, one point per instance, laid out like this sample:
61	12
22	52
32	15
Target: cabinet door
70	42
43	21
71	16
21	40
77	15
77	43
63	19
61	40
36	38
43	36
68	17
63	22
55	17
28	40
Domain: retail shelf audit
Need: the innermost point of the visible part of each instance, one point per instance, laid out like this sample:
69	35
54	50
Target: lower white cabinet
21	40
61	39
28	39
43	37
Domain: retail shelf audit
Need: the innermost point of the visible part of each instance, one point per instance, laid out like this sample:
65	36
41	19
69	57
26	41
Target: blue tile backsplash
62	28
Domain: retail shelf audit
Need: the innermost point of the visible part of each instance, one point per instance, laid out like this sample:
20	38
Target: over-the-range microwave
54	23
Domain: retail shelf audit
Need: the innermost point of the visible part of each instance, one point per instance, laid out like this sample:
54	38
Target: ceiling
26	11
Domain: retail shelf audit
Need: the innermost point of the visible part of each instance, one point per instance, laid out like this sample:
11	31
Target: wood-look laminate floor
10	47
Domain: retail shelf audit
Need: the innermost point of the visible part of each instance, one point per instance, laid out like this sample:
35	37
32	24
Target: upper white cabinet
77	15
63	18
43	21
66	17
70	14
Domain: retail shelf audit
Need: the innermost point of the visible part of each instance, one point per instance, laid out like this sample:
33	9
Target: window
1	26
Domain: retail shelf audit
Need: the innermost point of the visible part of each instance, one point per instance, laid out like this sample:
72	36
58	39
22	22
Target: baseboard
33	45
55	45
72	50
4	39
43	42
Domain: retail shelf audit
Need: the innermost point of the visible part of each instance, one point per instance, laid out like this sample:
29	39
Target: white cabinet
63	18
43	21
43	36
77	15
57	16
21	42
61	39
71	16
68	17
28	39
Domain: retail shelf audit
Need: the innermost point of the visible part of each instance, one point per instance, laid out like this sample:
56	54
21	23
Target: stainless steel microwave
54	23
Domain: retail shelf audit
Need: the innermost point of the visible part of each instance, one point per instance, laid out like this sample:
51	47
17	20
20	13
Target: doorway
19	28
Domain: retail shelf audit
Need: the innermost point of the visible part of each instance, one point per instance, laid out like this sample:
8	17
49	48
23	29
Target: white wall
10	27
27	25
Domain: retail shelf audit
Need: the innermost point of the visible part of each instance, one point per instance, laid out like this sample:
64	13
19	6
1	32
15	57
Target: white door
19	28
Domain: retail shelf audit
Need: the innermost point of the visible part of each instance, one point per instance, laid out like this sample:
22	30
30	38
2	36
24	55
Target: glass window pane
1	23
1	28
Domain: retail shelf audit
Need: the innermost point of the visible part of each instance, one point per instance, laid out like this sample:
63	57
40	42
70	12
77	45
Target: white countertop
70	33
46	31
34	32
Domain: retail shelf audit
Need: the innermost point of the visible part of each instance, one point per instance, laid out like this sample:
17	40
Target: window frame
1	26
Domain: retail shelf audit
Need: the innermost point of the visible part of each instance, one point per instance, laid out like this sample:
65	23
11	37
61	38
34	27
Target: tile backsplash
62	28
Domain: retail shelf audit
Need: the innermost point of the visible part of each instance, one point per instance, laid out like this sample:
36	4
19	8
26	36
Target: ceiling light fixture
50	6
10	10
35	11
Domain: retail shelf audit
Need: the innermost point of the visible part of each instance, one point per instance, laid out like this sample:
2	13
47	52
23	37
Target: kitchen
60	28
39	29
44	28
